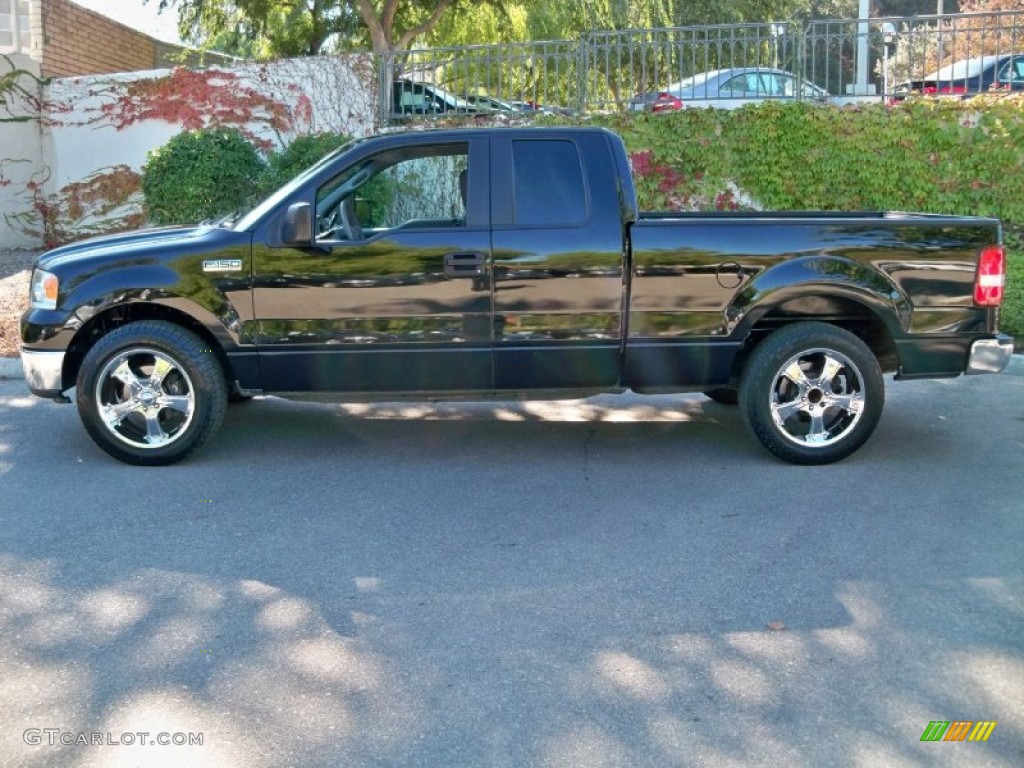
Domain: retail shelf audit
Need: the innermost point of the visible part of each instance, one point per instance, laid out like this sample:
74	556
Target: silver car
729	89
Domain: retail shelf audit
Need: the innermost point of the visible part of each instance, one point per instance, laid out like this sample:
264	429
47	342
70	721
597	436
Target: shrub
200	175
1011	318
375	198
284	165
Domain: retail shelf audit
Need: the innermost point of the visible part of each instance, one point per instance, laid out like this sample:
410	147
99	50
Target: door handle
465	264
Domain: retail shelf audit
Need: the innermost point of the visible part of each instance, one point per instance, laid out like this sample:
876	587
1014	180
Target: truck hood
108	245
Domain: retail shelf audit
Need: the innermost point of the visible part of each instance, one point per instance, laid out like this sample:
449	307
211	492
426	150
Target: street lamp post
888	43
777	30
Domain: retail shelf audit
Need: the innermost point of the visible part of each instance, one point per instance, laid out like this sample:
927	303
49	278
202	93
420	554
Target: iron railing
852	59
902	50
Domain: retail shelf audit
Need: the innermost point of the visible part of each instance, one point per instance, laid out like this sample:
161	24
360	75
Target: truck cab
502	252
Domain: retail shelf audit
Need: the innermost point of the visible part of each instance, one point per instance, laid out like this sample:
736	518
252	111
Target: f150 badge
222	265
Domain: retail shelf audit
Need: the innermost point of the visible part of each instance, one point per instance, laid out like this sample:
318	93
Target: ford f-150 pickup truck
507	262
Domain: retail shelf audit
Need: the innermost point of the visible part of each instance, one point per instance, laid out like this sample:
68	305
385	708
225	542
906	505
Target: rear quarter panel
708	280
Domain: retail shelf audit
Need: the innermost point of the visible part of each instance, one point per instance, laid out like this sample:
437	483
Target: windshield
249	220
960	70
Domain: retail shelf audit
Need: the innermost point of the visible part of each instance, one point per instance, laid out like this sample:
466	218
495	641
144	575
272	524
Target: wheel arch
119	315
828	289
846	312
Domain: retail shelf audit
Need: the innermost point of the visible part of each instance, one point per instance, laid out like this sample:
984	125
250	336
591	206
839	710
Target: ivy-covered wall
20	156
92	134
933	156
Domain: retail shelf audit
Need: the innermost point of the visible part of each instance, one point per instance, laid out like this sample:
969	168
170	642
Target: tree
264	27
307	27
386	35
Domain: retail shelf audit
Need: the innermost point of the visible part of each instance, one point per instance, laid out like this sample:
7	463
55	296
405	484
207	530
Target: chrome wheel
812	393
145	398
151	392
817	398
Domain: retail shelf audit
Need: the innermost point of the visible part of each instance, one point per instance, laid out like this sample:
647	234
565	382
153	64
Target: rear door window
549	188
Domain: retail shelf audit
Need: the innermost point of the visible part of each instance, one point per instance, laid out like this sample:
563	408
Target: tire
812	393
723	395
150	393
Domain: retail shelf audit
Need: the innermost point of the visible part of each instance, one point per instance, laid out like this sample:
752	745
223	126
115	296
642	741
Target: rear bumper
990	355
43	371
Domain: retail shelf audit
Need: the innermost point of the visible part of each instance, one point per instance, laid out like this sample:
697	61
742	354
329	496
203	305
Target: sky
133	13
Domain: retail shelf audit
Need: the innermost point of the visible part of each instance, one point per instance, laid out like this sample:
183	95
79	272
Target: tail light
665	102
990	277
957	89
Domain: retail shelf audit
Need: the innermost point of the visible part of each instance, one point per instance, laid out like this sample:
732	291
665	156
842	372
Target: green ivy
927	155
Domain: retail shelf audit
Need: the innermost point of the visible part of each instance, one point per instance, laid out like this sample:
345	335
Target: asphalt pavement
620	581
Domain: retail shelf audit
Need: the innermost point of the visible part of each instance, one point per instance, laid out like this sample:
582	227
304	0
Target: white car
728	89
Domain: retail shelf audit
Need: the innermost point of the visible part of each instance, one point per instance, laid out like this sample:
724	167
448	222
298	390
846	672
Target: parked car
533	106
492	104
968	77
411	97
728	89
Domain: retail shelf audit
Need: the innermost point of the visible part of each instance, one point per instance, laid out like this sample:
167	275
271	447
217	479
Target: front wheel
812	393
150	393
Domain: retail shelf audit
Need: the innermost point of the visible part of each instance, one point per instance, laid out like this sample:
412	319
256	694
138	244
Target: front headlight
44	290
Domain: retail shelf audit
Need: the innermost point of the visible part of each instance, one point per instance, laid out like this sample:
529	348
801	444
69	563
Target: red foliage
87	207
641	162
203	99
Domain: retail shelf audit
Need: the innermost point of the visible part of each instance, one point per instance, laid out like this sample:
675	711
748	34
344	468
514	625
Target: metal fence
606	71
894	51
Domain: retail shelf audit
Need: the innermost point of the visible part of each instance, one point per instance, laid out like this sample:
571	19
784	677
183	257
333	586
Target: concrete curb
10	367
1016	366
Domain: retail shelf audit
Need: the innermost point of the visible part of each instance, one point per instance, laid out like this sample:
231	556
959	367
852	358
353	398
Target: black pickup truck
500	263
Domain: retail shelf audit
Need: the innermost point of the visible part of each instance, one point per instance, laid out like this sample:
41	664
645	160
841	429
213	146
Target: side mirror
298	225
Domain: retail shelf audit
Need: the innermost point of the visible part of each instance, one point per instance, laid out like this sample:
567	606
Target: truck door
558	262
393	294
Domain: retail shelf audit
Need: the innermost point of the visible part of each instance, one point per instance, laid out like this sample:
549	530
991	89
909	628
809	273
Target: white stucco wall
94	124
83	140
20	155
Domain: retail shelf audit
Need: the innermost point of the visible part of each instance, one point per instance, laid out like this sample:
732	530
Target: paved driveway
622	582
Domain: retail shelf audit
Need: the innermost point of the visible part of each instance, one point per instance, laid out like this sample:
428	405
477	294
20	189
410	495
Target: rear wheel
150	393
812	393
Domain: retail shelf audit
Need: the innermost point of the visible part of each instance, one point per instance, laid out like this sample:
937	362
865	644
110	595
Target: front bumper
990	355
43	371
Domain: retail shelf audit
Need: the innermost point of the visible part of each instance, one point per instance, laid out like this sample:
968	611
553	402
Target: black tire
812	393
139	418
723	395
